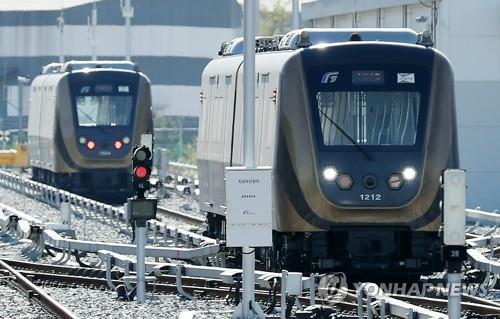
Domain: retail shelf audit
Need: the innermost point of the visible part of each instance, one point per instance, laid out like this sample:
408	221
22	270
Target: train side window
220	116
270	127
265	77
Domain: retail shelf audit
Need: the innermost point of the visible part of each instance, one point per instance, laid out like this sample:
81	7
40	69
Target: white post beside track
454	204
454	295
249	143
248	188
140	233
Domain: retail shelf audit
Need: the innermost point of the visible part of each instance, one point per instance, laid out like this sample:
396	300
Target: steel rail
478	307
481	262
90	277
187	169
482	217
177	214
45	298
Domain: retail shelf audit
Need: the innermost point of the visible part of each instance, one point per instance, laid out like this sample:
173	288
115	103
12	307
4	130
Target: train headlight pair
409	173
395	181
330	173
89	143
344	181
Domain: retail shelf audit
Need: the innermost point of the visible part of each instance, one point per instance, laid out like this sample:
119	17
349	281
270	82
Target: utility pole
257	16
92	25
60	29
249	142
21	82
296	14
128	14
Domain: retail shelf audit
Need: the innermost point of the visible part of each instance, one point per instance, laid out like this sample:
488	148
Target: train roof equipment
303	38
262	44
51	68
105	64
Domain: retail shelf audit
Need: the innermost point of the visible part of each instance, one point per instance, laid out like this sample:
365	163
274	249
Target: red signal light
141	171
118	145
91	145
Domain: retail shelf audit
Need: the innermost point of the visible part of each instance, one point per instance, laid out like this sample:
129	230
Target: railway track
180	216
35	293
64	277
204	287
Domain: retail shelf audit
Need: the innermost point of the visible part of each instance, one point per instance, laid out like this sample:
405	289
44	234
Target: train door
237	151
260	84
269	108
216	155
34	118
204	139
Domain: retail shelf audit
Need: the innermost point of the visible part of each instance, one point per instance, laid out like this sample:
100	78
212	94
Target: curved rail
47	300
177	214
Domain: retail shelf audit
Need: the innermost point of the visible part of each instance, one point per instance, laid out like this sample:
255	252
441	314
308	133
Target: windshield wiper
359	147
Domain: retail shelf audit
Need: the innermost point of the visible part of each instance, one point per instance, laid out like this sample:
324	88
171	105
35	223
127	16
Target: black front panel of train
369	115
104	104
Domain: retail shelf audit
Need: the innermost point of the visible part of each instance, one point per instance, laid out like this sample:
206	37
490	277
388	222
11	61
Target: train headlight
344	181
409	173
395	181
91	145
82	140
118	144
126	140
329	173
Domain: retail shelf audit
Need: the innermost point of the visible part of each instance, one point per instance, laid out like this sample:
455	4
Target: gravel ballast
13	305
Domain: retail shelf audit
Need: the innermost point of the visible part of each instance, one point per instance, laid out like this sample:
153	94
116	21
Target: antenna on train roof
424	38
355	37
304	41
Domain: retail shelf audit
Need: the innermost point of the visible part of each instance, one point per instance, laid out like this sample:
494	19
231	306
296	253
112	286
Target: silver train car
358	126
84	119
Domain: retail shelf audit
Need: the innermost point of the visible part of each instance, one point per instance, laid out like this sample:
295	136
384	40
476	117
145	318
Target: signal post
248	188
141	209
454	245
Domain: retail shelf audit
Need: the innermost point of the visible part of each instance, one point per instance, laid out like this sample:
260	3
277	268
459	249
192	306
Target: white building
172	41
468	32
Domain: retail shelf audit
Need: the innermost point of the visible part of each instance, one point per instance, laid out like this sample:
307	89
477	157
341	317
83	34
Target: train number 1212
370	197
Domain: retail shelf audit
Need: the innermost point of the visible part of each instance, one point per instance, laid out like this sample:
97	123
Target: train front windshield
104	99
370	107
369	117
104	110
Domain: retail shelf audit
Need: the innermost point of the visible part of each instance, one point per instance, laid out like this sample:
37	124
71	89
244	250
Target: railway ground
82	289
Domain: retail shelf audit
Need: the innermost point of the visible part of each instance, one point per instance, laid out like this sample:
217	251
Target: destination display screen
103	88
367	77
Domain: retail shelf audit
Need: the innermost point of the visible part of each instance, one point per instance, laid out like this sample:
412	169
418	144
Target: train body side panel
215	138
48	125
222	85
36	100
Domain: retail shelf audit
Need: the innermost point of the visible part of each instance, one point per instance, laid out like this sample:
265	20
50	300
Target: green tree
275	21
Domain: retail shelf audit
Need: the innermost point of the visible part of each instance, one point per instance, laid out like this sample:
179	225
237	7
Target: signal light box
249	207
